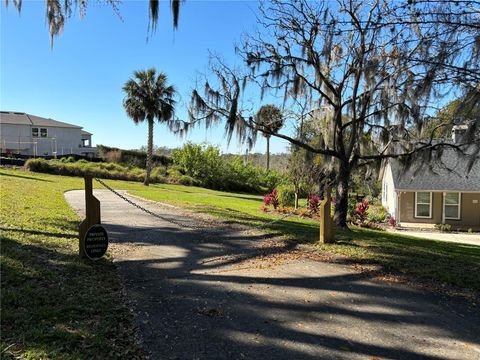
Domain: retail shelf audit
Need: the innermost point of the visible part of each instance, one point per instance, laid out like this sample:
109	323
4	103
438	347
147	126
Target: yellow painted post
92	214
326	222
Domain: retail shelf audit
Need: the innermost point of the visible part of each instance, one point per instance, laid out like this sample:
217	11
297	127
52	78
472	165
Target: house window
43	132
451	206
34	132
423	205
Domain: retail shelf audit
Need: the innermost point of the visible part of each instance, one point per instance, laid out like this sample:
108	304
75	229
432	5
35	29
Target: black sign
96	242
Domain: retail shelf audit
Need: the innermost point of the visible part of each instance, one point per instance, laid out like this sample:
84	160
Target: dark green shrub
188	181
205	164
271	179
352	206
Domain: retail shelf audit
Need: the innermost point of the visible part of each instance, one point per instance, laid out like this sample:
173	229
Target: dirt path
226	295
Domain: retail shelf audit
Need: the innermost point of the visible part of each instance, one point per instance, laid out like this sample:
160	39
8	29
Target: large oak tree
373	70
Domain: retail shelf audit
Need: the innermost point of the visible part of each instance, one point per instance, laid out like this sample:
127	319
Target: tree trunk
296	199
341	195
149	152
321	188
268	153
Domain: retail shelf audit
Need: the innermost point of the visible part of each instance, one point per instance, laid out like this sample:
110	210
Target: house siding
407	208
18	138
388	191
469	210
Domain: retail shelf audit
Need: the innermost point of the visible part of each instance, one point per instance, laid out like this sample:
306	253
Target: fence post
92	214
326	223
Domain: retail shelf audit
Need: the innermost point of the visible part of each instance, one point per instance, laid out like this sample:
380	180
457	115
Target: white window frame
46	132
38	132
430	205
459	205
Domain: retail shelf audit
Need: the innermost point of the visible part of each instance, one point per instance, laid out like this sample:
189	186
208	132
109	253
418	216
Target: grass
55	305
454	264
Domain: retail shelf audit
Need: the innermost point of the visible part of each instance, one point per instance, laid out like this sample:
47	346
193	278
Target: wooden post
92	214
326	222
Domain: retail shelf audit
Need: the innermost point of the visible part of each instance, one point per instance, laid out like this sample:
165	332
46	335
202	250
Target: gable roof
449	173
19	118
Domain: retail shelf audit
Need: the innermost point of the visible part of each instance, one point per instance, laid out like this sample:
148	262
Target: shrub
286	195
377	213
271	179
314	203
95	169
392	221
188	181
361	211
68	159
131	158
113	156
271	199
443	227
352	206
205	164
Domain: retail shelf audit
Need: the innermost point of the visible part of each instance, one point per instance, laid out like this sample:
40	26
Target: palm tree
148	96
269	120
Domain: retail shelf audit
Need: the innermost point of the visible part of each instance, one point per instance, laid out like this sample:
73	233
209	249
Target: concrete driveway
461	238
228	294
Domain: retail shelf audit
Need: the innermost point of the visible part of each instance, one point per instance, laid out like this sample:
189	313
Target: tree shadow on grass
36	232
55	303
24	177
199	297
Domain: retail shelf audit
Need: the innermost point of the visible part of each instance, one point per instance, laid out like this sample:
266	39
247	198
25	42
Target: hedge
81	168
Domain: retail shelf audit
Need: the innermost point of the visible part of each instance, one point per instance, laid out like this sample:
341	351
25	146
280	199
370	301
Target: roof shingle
449	174
9	117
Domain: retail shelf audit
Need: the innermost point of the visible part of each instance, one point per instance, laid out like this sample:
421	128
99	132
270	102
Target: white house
27	134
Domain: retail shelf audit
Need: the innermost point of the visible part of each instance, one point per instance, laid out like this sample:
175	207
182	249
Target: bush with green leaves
205	164
271	179
201	162
286	195
95	169
352	206
377	213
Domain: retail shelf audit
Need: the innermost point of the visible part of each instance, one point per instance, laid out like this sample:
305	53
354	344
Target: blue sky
79	81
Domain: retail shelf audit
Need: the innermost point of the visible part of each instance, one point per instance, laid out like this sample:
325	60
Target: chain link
183	225
178	223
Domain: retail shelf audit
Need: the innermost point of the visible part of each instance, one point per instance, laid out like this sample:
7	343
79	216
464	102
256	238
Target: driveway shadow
217	296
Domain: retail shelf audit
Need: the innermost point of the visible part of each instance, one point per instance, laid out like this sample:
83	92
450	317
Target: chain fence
179	223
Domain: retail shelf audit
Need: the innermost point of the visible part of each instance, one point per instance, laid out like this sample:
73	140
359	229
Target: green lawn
454	264
55	305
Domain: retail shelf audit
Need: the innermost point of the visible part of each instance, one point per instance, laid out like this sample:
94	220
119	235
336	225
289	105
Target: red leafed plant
361	211
313	203
392	221
271	199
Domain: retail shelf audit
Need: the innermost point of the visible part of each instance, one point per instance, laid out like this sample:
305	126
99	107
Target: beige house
441	192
